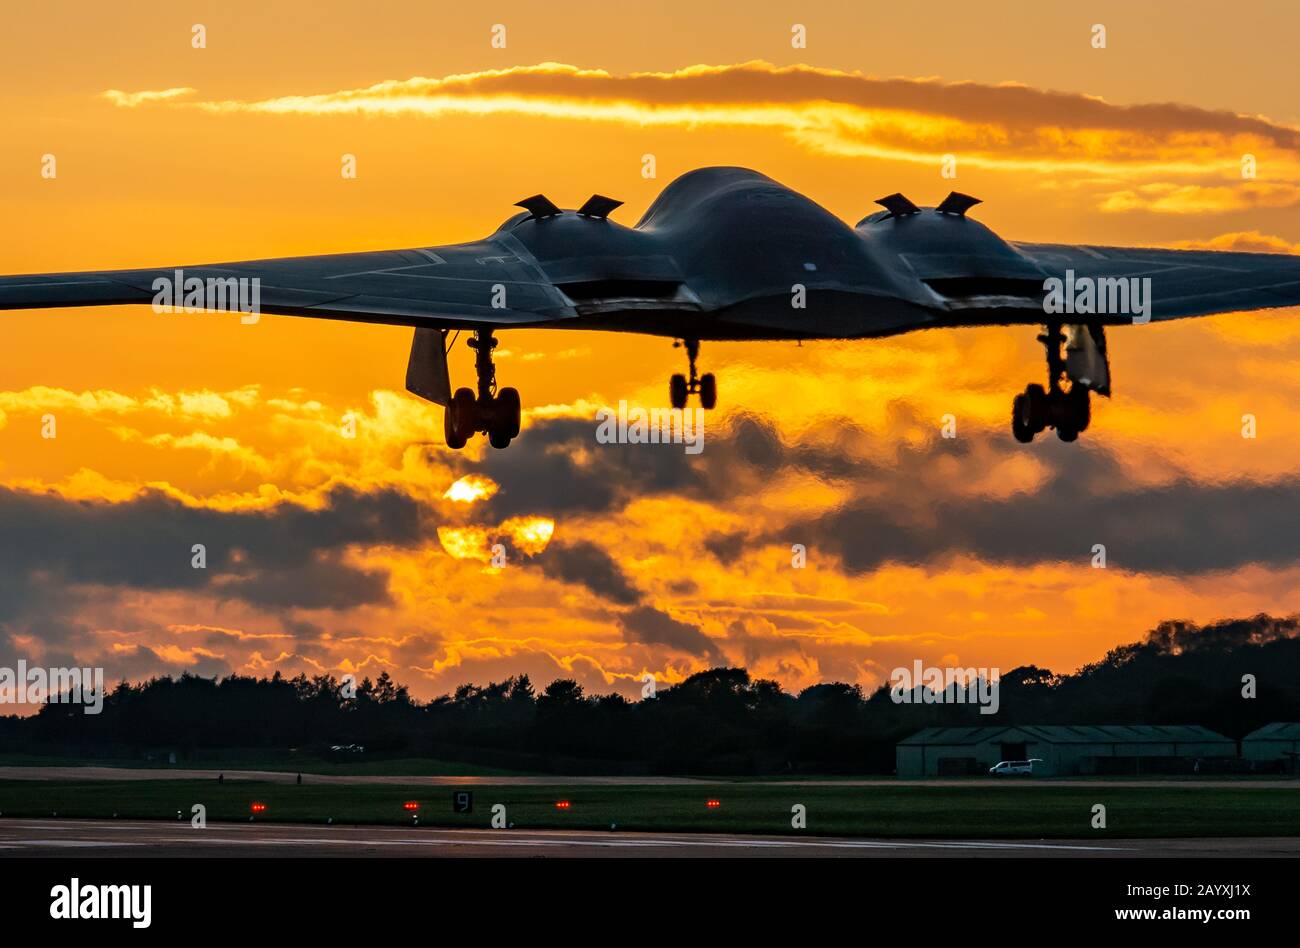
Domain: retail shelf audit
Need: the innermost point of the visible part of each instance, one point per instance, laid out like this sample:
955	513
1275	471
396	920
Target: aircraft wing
438	287
1183	282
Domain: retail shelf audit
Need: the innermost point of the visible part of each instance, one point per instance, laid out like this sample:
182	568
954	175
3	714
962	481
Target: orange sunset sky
334	554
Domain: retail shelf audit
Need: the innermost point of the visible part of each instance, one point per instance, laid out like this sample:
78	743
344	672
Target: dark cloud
285	556
588	565
62	557
1184	527
651	626
560	468
897	510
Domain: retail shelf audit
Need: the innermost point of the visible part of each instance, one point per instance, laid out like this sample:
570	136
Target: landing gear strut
680	388
490	412
1036	409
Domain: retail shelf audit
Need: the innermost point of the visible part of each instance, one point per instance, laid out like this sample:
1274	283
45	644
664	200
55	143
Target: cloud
896	503
1182	527
586	564
560	469
130	100
848	113
194	406
1167	198
1242	240
285	556
652	626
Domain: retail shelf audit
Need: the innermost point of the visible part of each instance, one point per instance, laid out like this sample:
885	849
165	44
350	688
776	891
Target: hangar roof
1072	734
1277	731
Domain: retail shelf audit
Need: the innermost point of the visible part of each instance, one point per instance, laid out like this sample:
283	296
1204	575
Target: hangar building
1278	742
1064	750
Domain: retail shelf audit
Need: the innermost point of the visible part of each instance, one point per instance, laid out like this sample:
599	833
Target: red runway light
713	804
258	807
410	805
562	804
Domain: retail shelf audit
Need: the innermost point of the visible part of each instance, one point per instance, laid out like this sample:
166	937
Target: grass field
954	812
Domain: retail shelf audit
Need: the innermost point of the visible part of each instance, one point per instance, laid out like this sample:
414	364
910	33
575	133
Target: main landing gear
680	388
490	412
1036	409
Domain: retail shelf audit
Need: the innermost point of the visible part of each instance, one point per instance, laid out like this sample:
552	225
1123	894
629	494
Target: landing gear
490	412
1036	408
680	388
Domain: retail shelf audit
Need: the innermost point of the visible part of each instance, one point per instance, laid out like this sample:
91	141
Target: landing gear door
426	372
1086	363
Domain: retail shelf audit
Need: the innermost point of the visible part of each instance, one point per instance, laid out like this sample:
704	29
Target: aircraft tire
1038	409
1021	431
677	391
449	432
708	391
1080	403
464	414
508	410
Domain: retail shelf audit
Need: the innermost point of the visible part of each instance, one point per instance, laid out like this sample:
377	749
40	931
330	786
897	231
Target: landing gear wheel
507	403
1080	407
708	391
1020	429
1037	407
464	413
449	432
677	391
498	438
1067	433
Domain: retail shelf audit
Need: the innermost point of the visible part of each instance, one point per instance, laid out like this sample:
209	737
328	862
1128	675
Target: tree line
1231	677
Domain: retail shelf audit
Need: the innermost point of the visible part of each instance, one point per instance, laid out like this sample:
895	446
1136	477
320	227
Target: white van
1015	767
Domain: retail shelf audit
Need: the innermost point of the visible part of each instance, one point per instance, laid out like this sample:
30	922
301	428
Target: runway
556	780
109	838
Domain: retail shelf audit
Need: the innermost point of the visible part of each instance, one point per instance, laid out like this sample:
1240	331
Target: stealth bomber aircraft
724	254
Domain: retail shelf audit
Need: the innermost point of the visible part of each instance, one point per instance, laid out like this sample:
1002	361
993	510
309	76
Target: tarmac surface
555	780
108	838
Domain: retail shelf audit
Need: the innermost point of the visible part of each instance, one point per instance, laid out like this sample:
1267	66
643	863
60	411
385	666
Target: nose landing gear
1036	409
680	388
491	412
